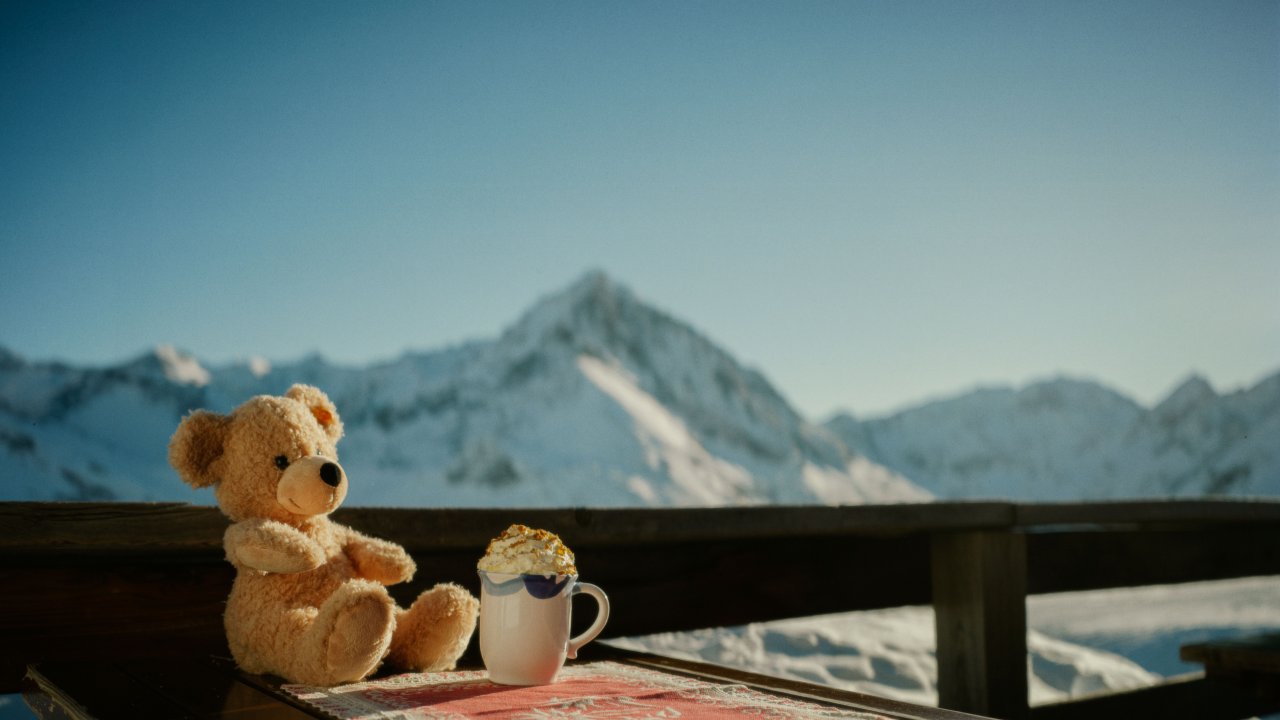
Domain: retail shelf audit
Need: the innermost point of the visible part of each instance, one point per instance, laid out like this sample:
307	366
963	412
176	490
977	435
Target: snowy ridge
63	434
591	397
1069	439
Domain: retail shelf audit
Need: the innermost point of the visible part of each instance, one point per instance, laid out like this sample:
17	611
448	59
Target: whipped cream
522	550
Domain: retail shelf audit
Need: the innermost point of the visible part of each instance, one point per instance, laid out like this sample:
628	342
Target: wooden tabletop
212	688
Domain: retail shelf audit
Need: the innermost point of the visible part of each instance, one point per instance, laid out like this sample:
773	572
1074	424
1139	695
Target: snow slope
888	653
1079	643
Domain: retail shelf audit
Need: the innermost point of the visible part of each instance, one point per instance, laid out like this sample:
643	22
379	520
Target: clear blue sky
871	202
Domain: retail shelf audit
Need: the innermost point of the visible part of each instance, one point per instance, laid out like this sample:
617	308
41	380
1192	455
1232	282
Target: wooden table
214	688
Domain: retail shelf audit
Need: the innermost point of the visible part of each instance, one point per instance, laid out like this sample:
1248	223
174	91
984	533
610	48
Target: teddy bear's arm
379	560
271	546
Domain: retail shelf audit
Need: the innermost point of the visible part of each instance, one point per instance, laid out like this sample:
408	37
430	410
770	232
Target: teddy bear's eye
282	462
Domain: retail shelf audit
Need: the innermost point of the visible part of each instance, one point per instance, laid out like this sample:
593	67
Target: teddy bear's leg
433	633
349	636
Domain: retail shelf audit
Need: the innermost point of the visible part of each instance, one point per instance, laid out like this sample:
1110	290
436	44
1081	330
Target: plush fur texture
309	601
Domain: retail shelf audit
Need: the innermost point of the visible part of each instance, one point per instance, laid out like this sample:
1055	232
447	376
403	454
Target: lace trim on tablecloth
603	690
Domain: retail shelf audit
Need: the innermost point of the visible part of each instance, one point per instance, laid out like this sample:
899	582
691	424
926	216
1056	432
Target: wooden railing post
979	600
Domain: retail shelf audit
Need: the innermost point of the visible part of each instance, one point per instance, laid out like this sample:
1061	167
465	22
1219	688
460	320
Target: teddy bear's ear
195	446
321	407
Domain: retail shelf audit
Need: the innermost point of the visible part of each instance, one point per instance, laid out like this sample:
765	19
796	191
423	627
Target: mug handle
602	616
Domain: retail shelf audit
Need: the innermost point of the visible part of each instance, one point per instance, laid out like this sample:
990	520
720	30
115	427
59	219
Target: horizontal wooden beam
472	527
46	529
1089	560
1145	513
50	528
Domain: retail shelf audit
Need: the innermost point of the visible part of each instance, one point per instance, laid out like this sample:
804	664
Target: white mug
524	625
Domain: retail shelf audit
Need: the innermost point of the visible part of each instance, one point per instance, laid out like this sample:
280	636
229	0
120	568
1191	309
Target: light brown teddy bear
309	602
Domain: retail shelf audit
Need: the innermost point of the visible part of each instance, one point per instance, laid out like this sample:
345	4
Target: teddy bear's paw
360	636
434	632
379	560
271	546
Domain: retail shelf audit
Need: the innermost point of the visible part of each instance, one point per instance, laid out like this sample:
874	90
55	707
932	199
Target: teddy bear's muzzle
312	486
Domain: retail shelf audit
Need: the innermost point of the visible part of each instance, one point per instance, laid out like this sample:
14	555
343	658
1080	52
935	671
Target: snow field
1079	643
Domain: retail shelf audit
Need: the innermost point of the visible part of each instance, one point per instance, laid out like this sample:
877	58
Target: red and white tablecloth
595	690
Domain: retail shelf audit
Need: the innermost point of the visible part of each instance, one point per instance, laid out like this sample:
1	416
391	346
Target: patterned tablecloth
595	690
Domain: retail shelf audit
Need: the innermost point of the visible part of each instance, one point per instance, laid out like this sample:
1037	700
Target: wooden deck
97	582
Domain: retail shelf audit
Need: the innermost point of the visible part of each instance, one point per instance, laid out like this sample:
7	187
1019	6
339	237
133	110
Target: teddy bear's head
272	457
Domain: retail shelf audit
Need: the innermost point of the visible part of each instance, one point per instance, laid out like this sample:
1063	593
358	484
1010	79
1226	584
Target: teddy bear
309	602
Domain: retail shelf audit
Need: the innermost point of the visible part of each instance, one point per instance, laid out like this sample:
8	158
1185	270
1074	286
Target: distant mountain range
1069	439
595	398
591	398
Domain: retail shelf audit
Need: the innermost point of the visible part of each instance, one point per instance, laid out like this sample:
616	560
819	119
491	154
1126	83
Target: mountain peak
593	283
593	294
593	313
178	367
10	359
1194	384
1190	393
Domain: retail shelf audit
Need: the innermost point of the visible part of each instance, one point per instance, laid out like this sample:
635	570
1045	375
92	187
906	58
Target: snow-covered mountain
1068	439
93	434
592	397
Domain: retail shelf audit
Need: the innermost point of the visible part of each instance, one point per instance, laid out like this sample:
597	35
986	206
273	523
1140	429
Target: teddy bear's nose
330	474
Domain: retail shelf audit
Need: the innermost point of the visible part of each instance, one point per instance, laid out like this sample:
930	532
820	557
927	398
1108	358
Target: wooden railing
97	582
